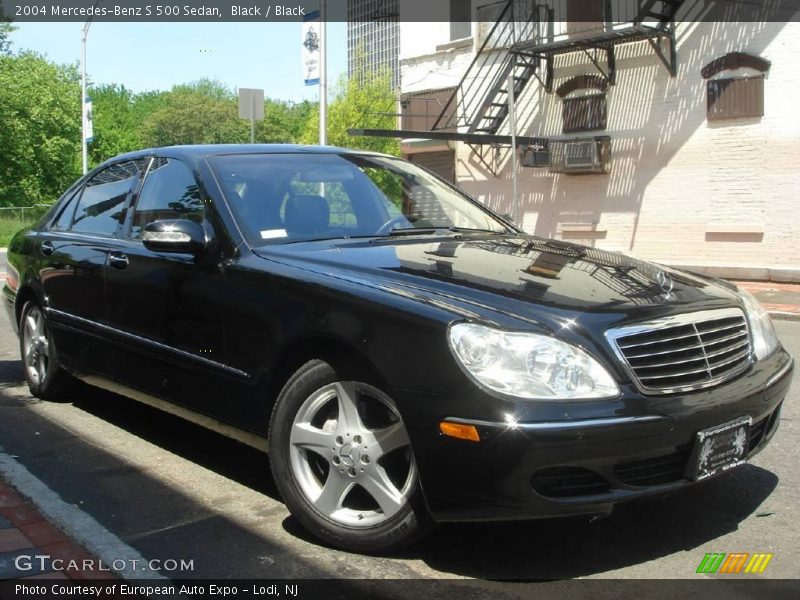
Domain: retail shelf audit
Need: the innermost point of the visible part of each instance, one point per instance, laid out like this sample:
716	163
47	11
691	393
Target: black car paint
220	334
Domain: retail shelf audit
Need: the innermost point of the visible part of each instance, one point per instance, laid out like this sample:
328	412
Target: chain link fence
14	218
25	214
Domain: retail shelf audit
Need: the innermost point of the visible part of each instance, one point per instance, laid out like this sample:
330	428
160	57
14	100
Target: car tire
337	448
43	372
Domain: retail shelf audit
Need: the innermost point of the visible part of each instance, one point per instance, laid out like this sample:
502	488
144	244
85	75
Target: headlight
529	365
765	340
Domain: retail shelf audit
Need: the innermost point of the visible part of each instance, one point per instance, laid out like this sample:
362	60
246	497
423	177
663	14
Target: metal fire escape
523	42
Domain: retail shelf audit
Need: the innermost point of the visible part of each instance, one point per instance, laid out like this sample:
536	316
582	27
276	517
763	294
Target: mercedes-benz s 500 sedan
404	355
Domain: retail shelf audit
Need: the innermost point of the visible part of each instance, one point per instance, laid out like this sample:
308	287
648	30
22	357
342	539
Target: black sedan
404	355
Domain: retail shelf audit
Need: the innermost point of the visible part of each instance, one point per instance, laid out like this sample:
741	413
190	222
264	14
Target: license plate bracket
719	448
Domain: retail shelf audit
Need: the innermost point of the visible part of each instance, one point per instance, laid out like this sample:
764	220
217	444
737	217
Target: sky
156	56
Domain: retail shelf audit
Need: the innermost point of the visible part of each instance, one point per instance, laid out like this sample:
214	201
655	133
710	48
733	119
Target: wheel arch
25	294
342	355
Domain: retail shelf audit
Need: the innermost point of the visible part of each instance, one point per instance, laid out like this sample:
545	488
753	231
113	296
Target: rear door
74	255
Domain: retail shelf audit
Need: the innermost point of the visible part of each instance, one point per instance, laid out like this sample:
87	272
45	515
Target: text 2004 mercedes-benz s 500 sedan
405	356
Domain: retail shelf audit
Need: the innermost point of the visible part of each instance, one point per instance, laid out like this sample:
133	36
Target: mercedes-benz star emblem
665	282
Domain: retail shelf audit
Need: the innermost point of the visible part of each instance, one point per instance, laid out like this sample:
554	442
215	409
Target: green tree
40	129
202	112
116	122
207	112
354	104
6	28
283	122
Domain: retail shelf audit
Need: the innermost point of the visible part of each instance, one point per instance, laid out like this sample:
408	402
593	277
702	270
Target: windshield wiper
401	231
476	230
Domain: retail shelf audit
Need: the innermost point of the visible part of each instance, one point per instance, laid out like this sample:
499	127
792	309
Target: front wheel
342	460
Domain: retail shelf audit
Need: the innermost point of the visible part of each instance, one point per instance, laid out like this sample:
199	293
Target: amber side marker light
460	431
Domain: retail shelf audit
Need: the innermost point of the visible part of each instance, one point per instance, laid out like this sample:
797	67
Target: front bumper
596	455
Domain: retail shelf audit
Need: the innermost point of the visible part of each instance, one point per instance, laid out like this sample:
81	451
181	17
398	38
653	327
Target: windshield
280	198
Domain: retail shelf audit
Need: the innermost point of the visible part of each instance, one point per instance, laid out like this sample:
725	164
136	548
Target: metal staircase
494	108
480	101
523	43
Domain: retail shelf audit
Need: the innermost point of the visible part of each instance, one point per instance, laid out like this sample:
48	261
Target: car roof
194	153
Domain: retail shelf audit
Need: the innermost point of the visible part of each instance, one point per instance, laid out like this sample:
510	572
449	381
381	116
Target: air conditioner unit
535	156
581	155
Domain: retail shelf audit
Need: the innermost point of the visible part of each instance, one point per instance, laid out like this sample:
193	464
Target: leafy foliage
116	122
354	105
5	30
40	129
203	112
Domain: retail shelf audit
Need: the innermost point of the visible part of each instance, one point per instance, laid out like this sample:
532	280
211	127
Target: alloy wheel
36	345
351	456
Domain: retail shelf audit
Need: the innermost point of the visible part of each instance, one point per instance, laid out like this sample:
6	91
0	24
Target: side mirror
175	235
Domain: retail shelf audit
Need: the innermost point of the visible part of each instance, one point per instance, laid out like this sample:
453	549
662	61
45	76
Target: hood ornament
666	284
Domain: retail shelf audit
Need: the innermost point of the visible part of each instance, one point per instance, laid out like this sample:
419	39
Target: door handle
47	248
118	260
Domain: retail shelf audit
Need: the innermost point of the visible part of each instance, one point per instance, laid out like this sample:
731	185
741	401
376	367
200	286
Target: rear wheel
342	459
46	379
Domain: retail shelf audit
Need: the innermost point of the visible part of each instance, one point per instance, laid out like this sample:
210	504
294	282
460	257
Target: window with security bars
584	113
735	98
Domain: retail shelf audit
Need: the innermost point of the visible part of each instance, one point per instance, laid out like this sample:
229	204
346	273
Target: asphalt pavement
168	490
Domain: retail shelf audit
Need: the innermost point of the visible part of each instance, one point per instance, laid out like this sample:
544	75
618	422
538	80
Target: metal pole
252	118
84	149
323	76
512	113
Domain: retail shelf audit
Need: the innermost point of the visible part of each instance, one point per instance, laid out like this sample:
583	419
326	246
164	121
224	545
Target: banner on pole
311	41
87	120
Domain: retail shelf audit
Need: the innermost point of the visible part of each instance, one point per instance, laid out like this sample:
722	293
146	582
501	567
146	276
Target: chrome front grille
684	352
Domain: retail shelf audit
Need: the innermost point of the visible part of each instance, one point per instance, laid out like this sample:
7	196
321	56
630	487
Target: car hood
522	276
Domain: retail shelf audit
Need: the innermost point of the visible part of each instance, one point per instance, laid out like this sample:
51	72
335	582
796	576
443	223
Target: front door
167	307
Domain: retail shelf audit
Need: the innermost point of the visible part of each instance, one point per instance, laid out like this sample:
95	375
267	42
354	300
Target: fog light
460	431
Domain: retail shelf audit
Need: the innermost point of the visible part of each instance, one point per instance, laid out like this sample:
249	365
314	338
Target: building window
584	113
584	15
460	20
735	86
584	103
420	110
735	98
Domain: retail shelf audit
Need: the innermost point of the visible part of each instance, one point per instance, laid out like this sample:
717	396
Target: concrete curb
784	316
77	524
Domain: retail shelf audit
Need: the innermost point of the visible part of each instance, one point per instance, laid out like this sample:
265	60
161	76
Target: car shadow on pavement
224	456
566	548
634	533
11	373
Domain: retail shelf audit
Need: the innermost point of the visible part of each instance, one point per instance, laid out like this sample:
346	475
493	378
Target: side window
64	219
101	207
170	191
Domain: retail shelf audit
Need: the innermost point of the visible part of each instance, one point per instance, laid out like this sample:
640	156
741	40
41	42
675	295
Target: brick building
673	127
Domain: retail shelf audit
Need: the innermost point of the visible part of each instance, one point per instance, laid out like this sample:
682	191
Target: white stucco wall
681	190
